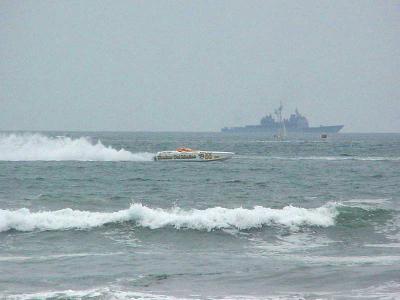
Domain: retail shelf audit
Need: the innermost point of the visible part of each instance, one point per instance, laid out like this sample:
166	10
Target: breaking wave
37	147
96	293
208	219
386	290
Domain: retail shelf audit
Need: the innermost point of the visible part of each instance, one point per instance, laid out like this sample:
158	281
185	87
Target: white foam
33	147
339	158
54	256
347	260
208	219
98	293
116	293
390	245
386	290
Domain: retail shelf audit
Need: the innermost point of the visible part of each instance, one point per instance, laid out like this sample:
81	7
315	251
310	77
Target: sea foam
338	158
95	293
208	219
38	147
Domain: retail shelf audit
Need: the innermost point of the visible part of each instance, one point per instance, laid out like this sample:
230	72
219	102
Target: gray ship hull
324	129
258	128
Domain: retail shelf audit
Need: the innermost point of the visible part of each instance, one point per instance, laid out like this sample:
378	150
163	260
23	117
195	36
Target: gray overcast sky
198	65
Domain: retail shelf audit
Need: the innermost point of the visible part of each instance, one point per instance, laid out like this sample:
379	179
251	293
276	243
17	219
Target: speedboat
187	154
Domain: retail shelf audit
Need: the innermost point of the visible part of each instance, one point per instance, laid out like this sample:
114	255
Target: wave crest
34	147
208	219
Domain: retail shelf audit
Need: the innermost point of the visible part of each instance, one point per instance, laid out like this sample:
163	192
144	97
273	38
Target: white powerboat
187	154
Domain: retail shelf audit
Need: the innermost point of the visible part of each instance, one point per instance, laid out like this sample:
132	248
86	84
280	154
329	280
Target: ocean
90	215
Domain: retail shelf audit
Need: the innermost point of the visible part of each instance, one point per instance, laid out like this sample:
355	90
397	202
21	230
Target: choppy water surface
91	216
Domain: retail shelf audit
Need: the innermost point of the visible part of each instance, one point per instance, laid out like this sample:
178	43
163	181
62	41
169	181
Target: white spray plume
33	147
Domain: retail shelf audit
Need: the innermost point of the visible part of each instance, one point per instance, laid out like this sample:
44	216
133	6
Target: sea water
92	216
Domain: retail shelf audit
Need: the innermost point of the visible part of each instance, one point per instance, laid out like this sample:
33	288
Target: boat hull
258	128
195	156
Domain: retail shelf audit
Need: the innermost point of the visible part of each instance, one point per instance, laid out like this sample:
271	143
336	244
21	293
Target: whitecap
208	219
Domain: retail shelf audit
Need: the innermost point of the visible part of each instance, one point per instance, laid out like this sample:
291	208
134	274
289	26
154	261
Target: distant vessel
296	123
187	154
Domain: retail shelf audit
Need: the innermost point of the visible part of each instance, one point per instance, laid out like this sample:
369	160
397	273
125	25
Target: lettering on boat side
184	156
205	155
177	156
192	155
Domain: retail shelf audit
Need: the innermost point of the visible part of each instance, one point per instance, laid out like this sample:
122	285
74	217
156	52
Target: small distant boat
282	129
187	154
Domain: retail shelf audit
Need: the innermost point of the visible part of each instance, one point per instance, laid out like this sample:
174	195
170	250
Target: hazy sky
197	65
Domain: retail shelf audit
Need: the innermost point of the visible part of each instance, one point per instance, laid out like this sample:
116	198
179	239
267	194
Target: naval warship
296	123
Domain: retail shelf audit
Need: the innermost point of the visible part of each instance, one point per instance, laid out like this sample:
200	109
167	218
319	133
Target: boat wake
208	219
38	147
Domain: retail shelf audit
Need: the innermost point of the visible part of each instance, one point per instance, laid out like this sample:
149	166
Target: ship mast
282	130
